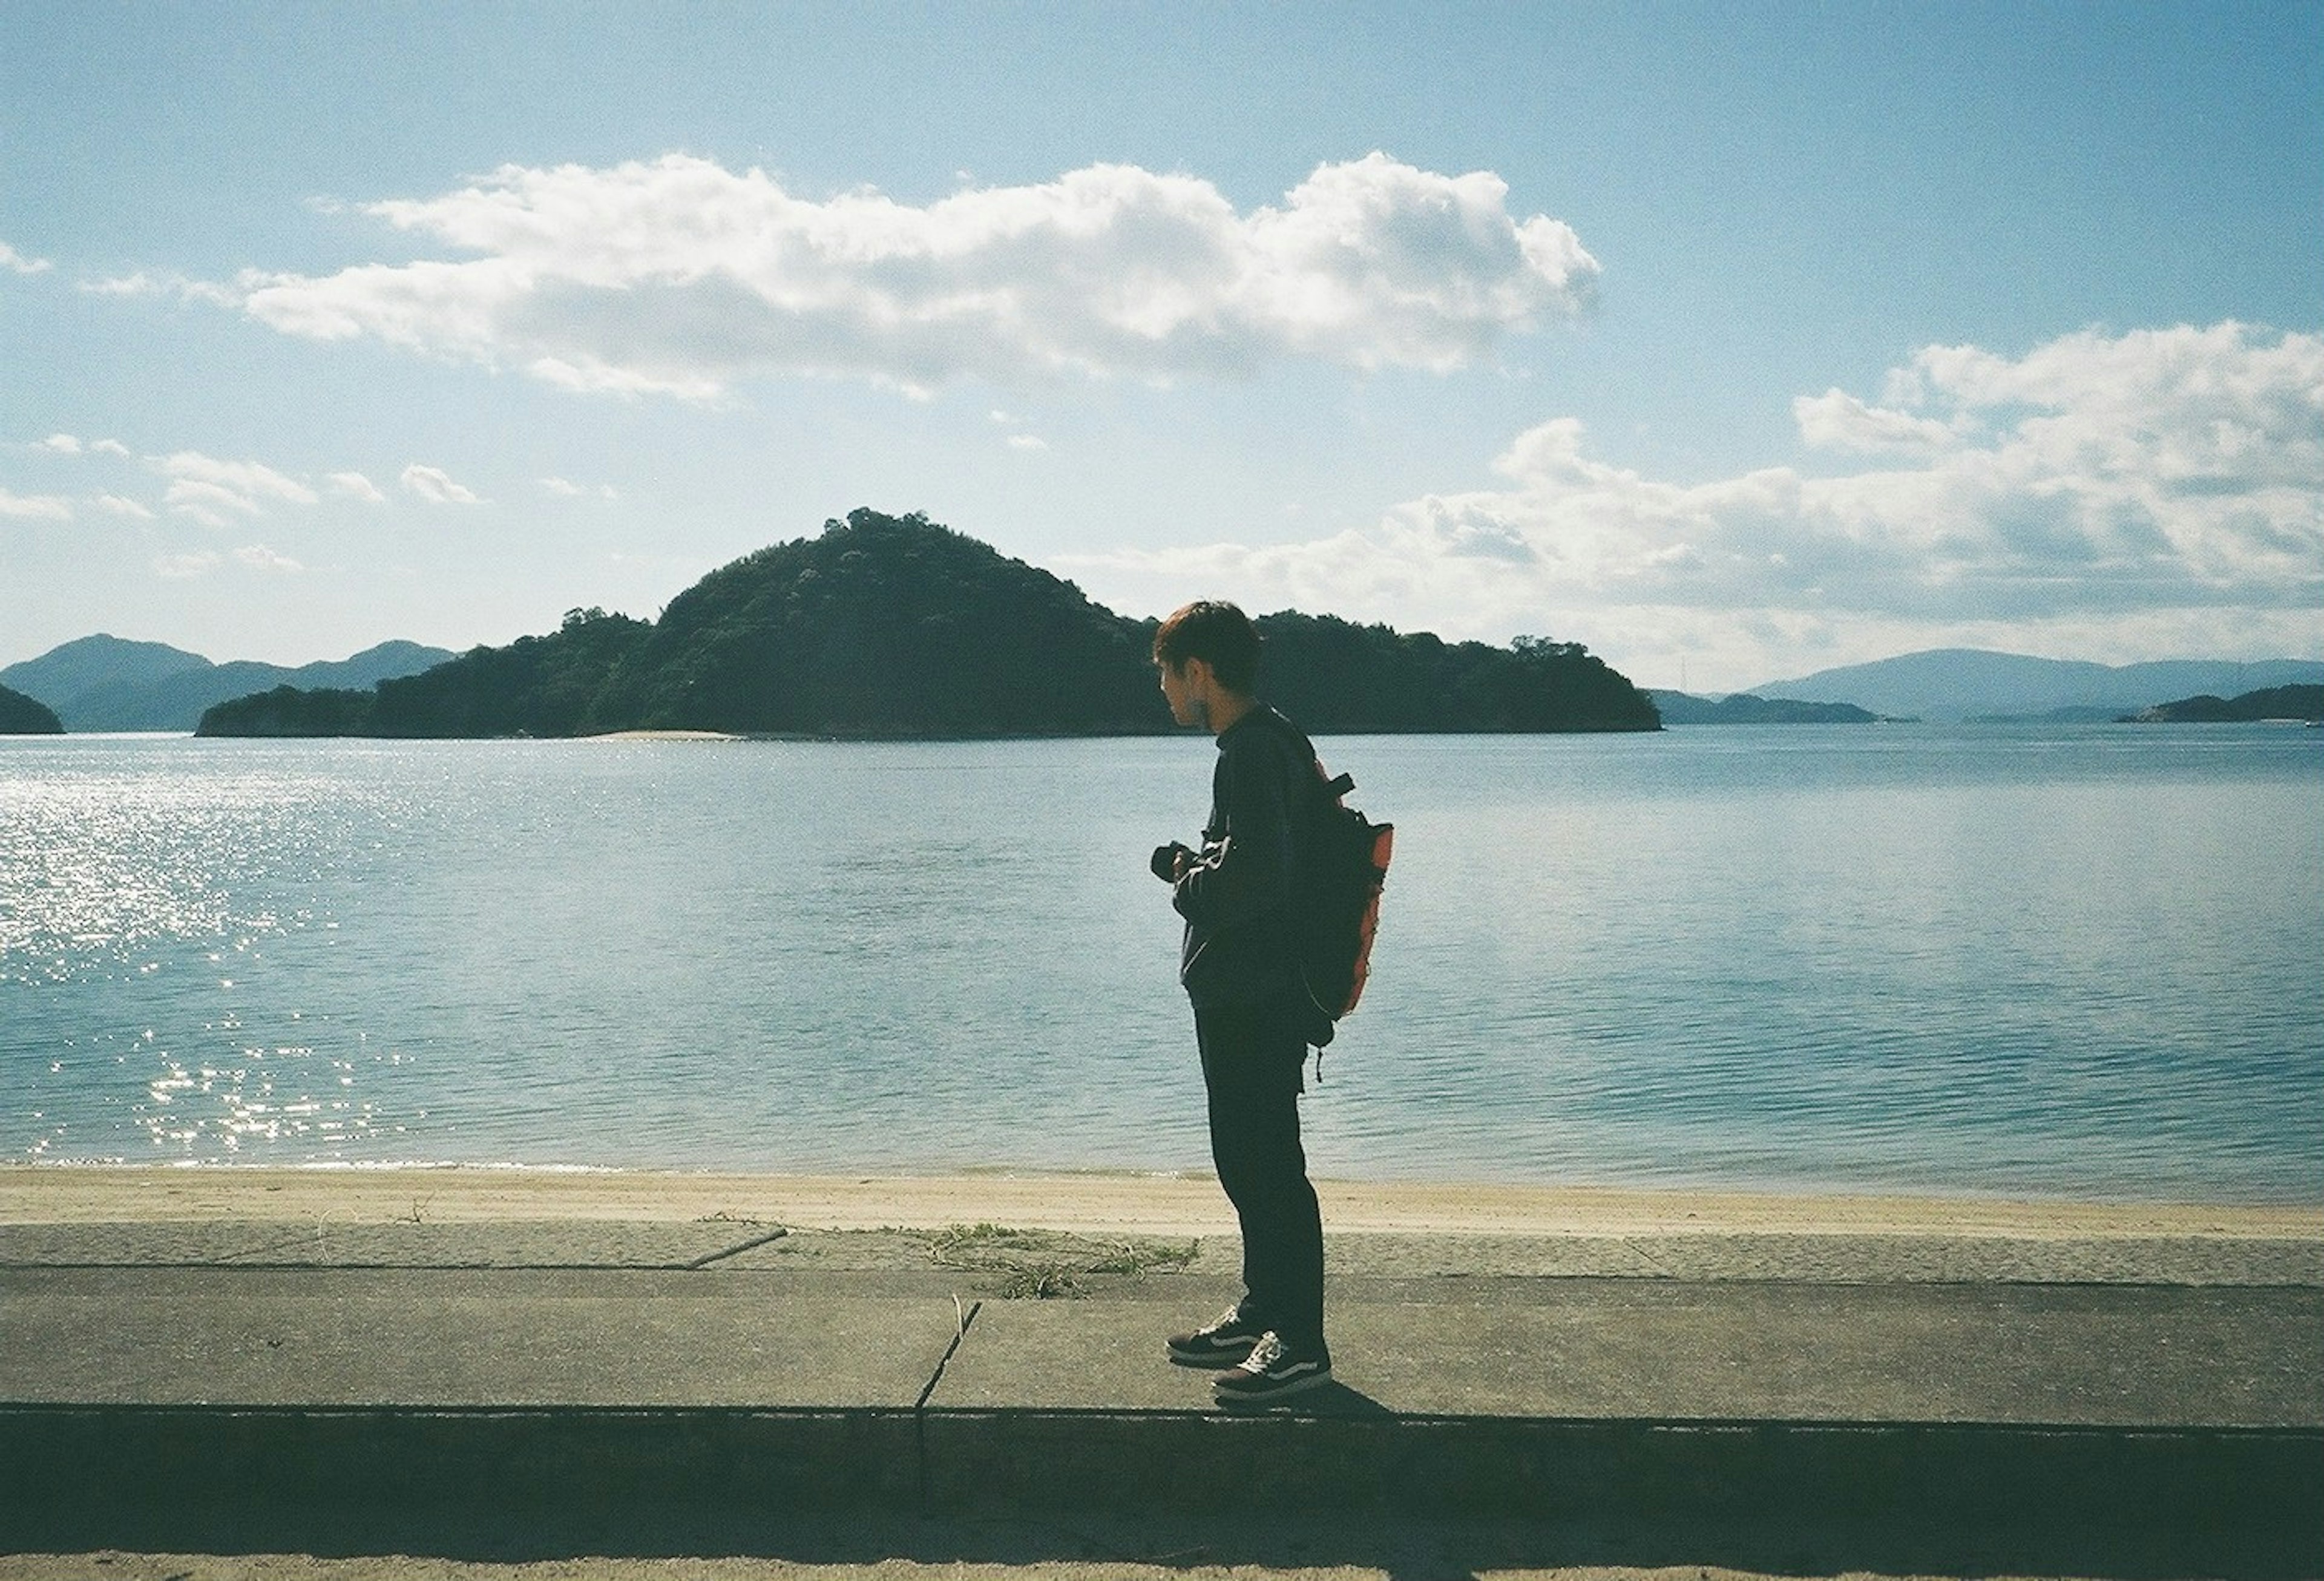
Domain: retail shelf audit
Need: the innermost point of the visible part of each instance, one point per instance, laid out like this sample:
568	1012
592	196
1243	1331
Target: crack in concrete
961	1319
777	1234
1661	1269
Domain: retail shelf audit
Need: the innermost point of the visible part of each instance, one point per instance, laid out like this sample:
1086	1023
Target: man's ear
1198	676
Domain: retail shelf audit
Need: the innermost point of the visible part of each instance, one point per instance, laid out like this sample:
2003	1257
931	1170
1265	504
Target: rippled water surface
2076	961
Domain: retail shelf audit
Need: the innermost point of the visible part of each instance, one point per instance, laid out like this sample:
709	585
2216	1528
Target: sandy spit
1155	1205
662	736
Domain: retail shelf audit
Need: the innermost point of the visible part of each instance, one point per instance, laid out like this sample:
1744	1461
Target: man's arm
1246	872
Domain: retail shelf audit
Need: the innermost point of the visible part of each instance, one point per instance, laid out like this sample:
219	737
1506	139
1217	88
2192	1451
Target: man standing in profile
1252	1012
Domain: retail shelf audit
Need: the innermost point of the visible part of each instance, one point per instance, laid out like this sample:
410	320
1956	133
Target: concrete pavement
2076	1398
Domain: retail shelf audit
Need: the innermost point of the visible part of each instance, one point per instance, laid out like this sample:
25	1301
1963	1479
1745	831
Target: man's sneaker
1271	1371
1222	1342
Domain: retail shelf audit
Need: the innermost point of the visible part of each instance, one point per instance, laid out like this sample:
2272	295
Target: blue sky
1734	342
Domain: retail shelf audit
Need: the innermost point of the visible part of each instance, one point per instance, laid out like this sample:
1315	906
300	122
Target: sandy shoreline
1158	1205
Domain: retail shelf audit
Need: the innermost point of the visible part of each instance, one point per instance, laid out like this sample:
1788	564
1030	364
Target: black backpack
1342	866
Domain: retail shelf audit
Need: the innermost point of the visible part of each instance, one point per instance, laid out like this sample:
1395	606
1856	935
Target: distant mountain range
1952	684
105	683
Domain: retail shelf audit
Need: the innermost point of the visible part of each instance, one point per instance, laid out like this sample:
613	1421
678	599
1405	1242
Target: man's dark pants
1250	1072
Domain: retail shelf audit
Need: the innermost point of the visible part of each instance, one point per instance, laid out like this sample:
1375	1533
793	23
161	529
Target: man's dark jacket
1237	897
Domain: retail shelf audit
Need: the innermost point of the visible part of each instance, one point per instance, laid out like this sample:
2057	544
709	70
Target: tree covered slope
894	627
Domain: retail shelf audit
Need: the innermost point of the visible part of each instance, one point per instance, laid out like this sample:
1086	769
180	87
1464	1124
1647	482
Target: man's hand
1169	863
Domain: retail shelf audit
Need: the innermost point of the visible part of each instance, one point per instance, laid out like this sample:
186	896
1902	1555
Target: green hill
27	716
886	626
895	627
1339	678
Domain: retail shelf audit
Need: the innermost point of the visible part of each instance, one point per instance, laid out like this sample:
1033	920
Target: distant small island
1746	708
2270	702
27	716
887	627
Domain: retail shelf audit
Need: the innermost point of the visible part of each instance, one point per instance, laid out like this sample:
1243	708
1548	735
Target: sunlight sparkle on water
2056	960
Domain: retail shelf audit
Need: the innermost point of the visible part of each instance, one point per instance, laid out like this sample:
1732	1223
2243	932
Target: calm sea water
2079	961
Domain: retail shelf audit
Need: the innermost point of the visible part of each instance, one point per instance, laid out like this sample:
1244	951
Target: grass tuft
1045	1265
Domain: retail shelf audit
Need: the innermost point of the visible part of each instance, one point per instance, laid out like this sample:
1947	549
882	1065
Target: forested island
2270	702
887	627
1747	708
27	716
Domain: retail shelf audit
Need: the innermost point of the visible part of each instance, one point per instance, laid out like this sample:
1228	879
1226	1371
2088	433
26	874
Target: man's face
1180	690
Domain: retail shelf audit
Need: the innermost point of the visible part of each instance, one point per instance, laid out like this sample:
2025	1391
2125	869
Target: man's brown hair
1219	634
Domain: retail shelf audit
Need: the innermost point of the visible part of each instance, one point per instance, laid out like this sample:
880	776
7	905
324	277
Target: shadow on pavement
1341	1481
1333	1398
1406	1548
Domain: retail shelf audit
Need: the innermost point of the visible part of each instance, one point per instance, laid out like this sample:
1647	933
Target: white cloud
214	492
210	504
15	262
250	479
1838	420
178	568
566	488
436	486
72	444
258	557
682	277
143	284
2110	491
34	507
1028	442
202	562
220	493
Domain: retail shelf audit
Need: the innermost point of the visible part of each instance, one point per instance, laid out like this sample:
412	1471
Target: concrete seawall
2076	1404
